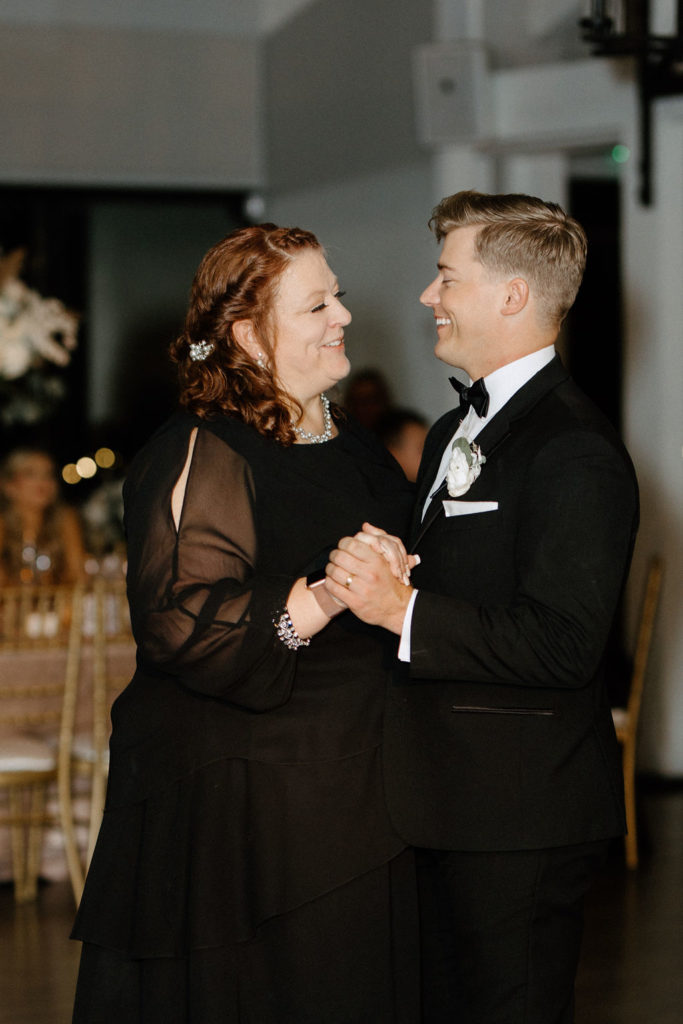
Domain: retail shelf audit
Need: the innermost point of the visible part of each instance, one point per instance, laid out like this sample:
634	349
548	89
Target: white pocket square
467	508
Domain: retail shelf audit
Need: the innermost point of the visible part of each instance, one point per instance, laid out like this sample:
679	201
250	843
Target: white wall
110	106
232	17
274	13
339	96
224	17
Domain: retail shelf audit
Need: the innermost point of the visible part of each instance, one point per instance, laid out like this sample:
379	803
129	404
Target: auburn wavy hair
238	280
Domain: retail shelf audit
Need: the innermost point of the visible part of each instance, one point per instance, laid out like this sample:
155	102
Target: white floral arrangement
32	328
34	331
464	466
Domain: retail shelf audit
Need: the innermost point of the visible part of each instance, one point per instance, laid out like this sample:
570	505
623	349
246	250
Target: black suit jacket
499	734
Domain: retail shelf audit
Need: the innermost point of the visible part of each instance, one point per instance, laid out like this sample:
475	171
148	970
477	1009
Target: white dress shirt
501	385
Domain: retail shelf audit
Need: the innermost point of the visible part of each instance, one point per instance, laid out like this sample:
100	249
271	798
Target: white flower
32	329
464	466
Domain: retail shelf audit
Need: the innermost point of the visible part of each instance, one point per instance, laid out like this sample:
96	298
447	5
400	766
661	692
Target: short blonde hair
525	236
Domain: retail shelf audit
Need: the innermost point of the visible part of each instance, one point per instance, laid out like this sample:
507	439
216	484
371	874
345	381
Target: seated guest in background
367	397
40	537
246	868
403	432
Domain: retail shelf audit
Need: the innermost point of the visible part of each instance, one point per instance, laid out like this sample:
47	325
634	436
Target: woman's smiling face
308	321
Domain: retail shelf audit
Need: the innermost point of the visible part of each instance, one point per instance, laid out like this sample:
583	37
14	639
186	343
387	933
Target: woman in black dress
246	868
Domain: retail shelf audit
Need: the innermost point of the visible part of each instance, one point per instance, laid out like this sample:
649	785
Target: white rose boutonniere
464	467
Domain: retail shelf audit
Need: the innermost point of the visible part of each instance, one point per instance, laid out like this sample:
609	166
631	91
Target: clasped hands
370	574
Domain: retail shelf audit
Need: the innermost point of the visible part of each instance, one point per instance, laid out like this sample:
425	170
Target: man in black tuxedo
501	761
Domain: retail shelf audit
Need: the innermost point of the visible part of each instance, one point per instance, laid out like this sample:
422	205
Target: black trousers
501	933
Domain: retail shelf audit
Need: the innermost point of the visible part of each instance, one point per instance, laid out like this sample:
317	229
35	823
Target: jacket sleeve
208	617
574	538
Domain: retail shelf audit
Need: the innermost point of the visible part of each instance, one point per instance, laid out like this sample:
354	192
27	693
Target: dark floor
631	970
632	964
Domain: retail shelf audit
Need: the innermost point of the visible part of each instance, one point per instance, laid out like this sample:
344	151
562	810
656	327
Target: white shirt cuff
404	646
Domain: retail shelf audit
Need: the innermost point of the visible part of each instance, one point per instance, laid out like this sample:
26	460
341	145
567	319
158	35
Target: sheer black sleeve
201	610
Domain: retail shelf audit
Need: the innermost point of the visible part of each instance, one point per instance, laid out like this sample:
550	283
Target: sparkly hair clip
199	350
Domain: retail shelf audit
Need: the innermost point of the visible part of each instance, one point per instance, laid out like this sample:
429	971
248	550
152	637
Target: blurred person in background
40	537
403	432
367	397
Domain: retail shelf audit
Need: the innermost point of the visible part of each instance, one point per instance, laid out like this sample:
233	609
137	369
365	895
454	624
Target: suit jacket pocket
468	522
468	508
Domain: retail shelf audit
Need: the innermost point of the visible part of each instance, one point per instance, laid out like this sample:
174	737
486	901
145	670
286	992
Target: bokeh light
86	467
105	458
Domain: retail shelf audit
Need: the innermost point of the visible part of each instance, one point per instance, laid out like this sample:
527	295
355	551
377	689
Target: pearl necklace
306	435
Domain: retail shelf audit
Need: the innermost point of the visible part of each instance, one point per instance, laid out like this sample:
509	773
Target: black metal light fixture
652	33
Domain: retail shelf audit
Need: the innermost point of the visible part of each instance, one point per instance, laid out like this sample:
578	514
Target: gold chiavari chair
108	660
40	638
626	719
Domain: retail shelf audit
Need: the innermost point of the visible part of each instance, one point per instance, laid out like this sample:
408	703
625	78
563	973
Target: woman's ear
516	296
244	334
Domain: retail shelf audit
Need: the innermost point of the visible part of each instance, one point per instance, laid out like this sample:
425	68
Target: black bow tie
475	395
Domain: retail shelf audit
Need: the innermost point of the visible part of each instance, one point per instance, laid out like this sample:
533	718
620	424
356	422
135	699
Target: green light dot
621	154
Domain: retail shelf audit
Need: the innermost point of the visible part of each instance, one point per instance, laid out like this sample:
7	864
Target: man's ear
244	334
516	296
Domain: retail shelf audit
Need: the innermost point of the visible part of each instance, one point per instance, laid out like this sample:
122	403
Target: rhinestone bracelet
287	633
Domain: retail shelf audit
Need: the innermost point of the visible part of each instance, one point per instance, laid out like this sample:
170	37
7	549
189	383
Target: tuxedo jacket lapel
446	429
491	437
434	510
